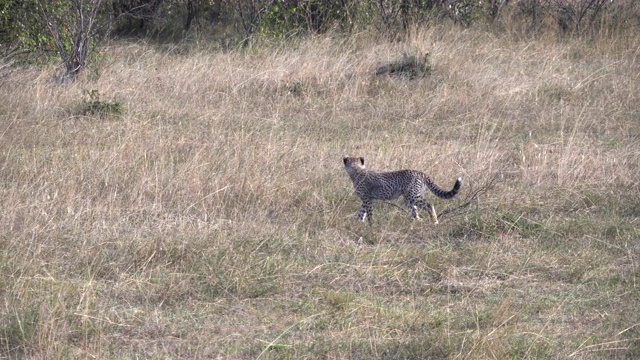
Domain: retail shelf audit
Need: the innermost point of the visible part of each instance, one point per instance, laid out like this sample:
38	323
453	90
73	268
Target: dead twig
471	197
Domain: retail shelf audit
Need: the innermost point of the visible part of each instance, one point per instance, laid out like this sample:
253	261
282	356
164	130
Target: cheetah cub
411	184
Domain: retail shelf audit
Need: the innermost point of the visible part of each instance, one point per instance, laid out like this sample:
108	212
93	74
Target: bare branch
77	20
472	196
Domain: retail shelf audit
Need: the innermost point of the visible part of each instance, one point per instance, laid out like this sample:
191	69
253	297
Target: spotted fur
411	184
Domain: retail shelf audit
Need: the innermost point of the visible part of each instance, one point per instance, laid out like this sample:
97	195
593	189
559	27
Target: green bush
409	66
92	105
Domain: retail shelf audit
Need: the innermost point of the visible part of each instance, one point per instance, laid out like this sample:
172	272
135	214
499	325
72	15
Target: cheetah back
389	185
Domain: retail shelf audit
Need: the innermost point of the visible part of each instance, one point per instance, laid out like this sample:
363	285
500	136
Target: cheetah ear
344	159
361	160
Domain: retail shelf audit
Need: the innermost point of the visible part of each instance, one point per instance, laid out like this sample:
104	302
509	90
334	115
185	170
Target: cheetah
411	184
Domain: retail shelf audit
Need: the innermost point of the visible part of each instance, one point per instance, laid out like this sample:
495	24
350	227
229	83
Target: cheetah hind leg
422	204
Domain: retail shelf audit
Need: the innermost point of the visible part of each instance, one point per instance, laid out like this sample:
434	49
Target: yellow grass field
212	217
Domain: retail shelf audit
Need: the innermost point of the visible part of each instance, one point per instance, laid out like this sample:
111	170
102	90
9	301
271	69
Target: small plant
92	105
410	66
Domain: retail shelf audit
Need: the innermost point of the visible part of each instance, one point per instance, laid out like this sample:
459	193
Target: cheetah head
353	162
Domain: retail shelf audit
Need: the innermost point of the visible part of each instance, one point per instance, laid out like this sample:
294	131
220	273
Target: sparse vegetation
214	219
409	66
92	105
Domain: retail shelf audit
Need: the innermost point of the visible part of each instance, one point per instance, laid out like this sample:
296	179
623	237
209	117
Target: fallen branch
471	197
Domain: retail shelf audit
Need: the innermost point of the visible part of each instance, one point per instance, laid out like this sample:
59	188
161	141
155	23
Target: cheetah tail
445	194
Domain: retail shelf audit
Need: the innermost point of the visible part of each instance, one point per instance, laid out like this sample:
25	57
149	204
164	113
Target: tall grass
213	217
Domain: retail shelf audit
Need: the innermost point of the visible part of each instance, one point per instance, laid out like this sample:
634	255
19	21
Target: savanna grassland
208	215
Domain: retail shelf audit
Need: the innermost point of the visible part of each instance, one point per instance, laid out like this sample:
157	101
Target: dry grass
214	219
